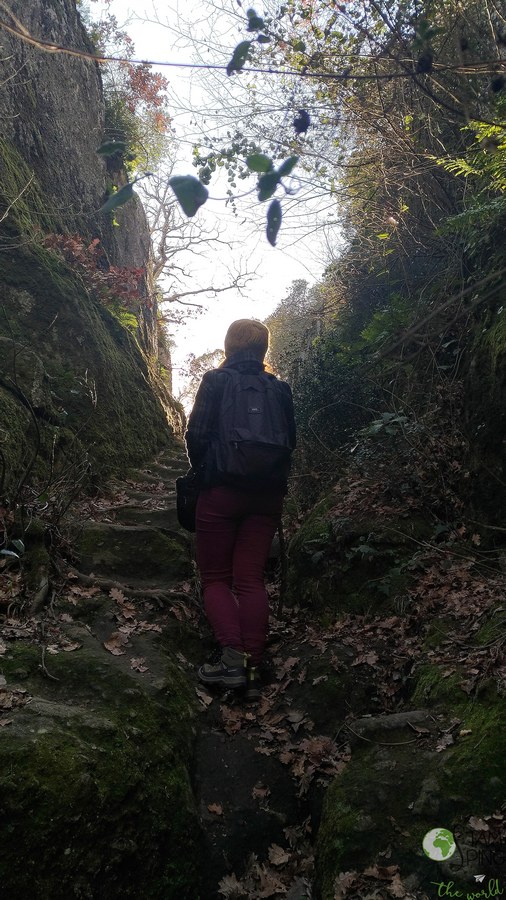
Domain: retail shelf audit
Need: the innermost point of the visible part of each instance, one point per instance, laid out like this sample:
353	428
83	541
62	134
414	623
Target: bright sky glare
275	268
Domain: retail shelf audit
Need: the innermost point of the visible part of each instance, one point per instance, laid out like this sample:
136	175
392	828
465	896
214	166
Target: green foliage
486	158
110	148
259	162
121	127
240	57
387	322
23	207
388	423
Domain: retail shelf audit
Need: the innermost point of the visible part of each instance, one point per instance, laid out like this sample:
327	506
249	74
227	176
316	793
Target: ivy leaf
287	166
259	162
274	216
299	47
302	122
267	184
239	57
190	193
255	23
109	148
425	62
118	199
263	39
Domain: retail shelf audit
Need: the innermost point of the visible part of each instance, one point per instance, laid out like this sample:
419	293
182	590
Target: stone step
125	551
147	476
167	498
158	518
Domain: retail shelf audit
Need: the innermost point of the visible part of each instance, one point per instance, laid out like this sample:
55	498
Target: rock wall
71	374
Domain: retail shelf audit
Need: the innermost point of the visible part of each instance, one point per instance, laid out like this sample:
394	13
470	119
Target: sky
275	267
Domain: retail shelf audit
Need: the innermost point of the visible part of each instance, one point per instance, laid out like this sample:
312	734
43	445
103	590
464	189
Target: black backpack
253	445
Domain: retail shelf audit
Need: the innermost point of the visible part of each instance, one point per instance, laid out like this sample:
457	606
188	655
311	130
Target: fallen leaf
278	856
343	883
444	742
4	722
270	885
116	643
289	663
116	594
138	664
369	659
230	887
204	698
215	808
478	824
319	680
69	646
396	887
286	757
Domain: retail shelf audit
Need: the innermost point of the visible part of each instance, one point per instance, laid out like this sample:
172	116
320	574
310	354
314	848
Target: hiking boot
229	669
253	684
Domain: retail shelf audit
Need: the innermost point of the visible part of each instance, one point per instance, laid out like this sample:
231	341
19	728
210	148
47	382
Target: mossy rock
357	565
95	793
91	377
125	551
389	797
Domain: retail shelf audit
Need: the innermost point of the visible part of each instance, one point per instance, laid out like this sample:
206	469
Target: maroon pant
234	535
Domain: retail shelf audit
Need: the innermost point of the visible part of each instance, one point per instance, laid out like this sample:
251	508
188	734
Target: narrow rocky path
126	630
259	772
254	770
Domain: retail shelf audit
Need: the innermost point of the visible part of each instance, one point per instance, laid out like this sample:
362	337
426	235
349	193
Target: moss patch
98	380
96	794
126	551
344	565
419	786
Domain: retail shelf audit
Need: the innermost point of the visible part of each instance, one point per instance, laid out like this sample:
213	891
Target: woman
235	524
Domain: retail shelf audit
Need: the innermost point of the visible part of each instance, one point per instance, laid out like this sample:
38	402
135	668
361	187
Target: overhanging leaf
274	216
267	184
302	122
255	23
239	57
190	193
118	199
259	162
287	166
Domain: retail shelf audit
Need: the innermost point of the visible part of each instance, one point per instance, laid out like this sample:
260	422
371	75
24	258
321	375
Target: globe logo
439	844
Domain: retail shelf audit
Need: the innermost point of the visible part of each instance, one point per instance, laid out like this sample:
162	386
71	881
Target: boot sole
231	680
